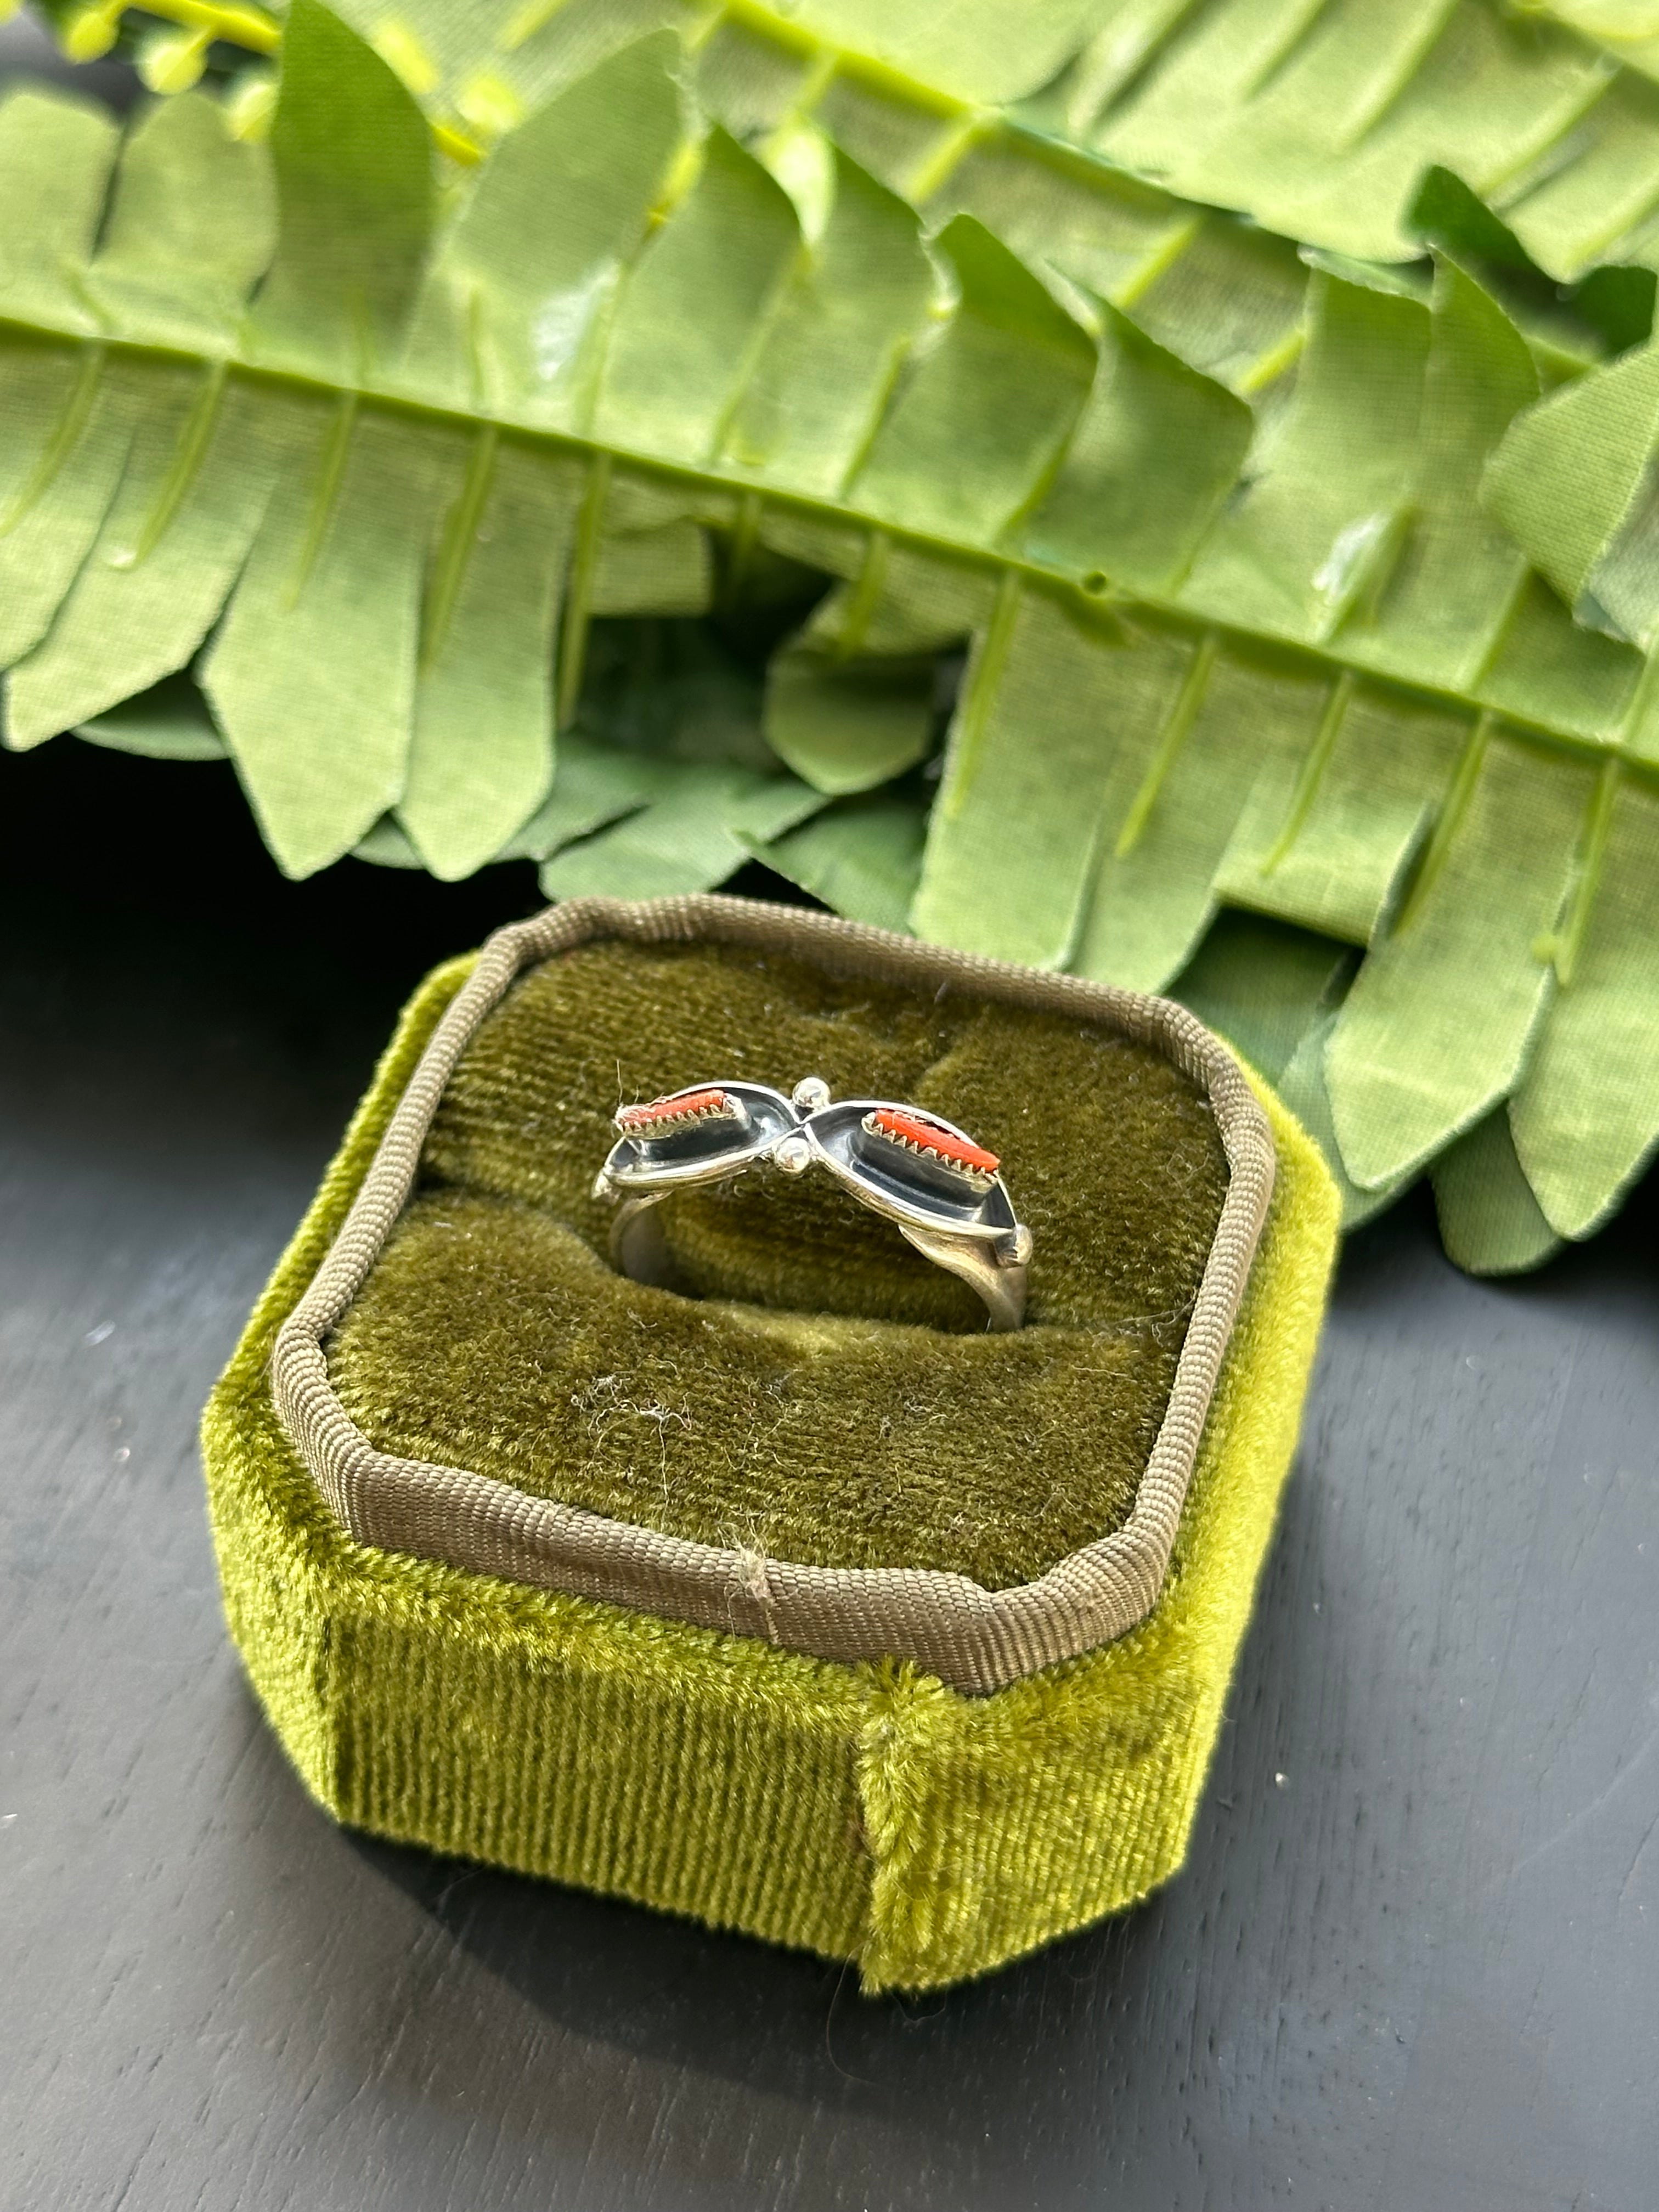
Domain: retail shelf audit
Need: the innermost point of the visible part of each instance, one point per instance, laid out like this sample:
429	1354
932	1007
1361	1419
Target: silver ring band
942	1192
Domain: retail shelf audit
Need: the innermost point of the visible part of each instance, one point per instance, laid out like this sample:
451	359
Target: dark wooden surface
1413	1961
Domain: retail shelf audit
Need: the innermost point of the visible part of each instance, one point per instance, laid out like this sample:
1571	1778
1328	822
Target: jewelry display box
793	1599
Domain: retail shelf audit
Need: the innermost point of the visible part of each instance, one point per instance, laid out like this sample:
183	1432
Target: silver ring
941	1191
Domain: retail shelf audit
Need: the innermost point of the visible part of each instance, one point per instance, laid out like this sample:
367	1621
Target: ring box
801	1604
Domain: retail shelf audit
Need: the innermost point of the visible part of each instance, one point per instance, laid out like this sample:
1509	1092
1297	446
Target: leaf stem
1170	738
330	474
1569	942
182	472
1449	821
579	598
65	436
984	681
1312	771
865	596
724	485
460	535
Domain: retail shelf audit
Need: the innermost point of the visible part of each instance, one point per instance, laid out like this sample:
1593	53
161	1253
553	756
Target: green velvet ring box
800	1603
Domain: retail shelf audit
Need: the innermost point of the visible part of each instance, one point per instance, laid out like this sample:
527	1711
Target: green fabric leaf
965	50
988	410
1262	985
1324	840
690	312
853	301
353	159
1317	523
1437	1028
843	719
387	846
862	857
197	477
171	721
515	307
1303	1087
1222	296
1566	472
1157	450
1056	698
596	784
55	157
192	225
699	825
668	571
312	676
1490	1221
1457	573
1174	807
1585	1116
481	756
64	472
1598	201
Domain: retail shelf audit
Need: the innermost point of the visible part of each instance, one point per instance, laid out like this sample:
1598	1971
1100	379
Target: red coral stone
915	1129
682	1106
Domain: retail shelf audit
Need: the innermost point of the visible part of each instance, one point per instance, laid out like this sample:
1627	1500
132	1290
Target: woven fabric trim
975	1639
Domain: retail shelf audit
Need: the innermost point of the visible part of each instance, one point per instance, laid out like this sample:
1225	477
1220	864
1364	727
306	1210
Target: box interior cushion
827	1396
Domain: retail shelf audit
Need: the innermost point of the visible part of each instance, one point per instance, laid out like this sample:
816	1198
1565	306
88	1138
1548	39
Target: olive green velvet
862	1812
493	1336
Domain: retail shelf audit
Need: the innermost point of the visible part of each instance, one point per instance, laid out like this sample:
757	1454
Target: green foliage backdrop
1168	493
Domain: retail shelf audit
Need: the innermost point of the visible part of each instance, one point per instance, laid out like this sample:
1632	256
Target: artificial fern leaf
1305	670
836	333
1049	689
1305	1090
76	423
1437	1026
55	158
1490	1221
598	783
354	200
1320	517
1325	835
698	825
1318	123
845	721
688	316
1628	30
1263	985
862	857
1585	1116
1157	453
171	722
481	756
988	410
513	302
192	225
1570	484
1175	796
322	629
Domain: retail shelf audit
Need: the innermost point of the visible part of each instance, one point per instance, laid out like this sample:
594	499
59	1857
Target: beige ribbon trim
975	1639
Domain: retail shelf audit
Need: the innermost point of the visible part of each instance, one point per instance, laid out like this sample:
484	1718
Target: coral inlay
914	1132
666	1117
